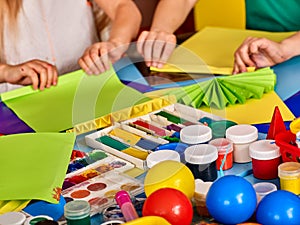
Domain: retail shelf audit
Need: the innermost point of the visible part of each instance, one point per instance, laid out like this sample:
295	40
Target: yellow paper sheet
229	13
212	50
255	111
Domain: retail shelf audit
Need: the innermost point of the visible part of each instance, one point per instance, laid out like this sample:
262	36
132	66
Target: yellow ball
170	174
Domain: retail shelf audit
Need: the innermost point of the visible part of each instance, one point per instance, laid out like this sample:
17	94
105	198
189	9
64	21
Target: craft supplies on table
134	139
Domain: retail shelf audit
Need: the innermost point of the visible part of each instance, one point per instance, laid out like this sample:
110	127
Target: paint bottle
225	153
77	212
201	160
263	188
242	136
195	134
266	158
289	174
123	199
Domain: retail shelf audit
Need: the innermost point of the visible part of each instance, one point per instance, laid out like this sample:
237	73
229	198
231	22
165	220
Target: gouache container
12	218
77	212
242	136
263	188
201	189
289	174
201	160
195	134
225	153
47	222
219	127
162	155
35	219
113	212
266	158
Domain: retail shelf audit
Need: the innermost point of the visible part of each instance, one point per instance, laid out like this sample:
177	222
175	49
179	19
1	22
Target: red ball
170	204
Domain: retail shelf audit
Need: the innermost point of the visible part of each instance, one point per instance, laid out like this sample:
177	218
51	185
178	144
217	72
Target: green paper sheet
34	165
77	98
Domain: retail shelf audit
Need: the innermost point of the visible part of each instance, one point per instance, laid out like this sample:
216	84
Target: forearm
170	14
291	46
125	19
2	73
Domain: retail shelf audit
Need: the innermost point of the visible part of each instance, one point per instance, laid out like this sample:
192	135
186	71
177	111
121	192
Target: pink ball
170	204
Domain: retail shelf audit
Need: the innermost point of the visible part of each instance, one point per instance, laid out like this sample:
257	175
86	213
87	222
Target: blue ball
278	208
231	200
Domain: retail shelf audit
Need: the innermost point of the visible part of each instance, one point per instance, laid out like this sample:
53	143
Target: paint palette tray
100	190
108	162
124	139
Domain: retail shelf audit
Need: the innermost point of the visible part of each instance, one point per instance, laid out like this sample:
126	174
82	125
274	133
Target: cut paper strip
220	92
76	99
212	49
34	165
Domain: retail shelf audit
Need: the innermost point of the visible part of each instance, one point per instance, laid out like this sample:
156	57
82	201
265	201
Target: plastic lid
223	145
201	154
264	150
122	197
12	218
195	134
77	209
162	155
242	133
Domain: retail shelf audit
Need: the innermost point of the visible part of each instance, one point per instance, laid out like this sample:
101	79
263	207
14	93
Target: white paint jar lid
12	218
162	155
195	134
201	154
264	150
242	133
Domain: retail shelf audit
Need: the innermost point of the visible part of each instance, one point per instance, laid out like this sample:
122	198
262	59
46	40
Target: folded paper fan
221	91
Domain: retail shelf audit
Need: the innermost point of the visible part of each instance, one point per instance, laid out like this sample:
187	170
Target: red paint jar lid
264	150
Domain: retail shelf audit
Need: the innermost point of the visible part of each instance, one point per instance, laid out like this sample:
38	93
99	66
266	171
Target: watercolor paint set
134	139
100	190
92	164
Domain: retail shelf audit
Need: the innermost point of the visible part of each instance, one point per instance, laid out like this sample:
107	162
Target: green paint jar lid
77	209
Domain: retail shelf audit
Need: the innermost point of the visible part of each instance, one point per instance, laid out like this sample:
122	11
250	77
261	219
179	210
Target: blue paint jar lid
201	154
195	134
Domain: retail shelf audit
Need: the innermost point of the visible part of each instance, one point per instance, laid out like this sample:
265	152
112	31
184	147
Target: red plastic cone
277	124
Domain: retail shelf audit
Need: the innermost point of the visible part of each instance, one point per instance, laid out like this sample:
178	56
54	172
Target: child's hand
98	57
36	72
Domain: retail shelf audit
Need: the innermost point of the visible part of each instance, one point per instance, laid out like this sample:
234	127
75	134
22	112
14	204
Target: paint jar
289	174
35	219
47	222
225	153
201	160
263	188
242	136
12	218
201	189
77	212
266	158
162	155
195	134
113	212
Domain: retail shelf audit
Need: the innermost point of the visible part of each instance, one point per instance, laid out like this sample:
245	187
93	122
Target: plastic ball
170	204
231	200
170	174
278	208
